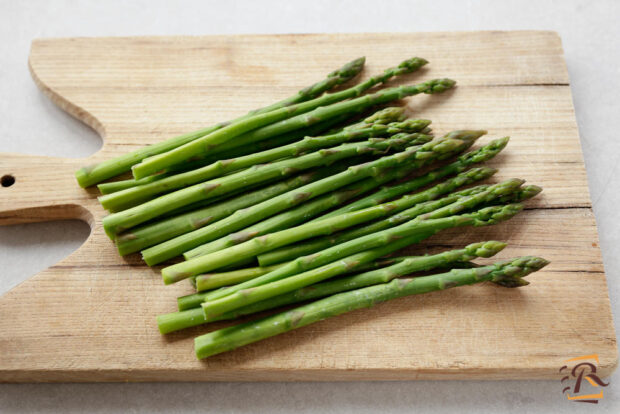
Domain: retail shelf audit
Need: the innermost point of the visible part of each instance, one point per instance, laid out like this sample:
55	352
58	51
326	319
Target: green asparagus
179	320
246	296
287	218
250	248
239	149
94	174
413	158
214	281
150	234
262	130
133	196
195	299
278	222
291	252
508	273
524	193
393	238
121	221
479	155
301	249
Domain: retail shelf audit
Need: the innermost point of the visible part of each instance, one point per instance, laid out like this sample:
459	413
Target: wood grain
91	317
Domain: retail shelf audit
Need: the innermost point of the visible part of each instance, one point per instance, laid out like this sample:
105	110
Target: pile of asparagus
304	201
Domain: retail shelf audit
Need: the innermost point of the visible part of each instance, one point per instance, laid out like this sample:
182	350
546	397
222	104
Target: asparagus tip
440	85
349	70
517	269
530	191
465	134
486	249
413	64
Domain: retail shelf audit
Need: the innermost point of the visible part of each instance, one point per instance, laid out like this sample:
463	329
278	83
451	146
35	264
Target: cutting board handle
36	188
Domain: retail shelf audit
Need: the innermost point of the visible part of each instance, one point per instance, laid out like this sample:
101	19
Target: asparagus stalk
216	280
268	127
195	299
524	193
150	234
291	252
123	220
208	282
250	248
409	233
238	149
114	186
301	249
479	155
244	145
192	317
265	291
287	218
236	130
413	158
136	195
94	174
508	274
382	116
281	222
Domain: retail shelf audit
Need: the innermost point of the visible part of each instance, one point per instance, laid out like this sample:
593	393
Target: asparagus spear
270	289
413	158
291	252
280	221
179	320
268	127
238	149
411	232
117	222
508	273
479	155
114	186
90	175
382	116
194	300
244	145
285	219
524	193
301	249
250	248
150	234
237	129
213	281
136	195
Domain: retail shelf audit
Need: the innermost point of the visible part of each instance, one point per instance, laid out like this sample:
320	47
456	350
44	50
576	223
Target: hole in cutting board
27	249
7	180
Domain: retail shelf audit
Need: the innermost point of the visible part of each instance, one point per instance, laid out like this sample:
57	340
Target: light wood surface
91	317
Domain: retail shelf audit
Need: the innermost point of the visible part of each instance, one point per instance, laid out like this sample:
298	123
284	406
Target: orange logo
585	370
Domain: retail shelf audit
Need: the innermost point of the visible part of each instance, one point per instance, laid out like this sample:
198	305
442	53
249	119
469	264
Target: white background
29	123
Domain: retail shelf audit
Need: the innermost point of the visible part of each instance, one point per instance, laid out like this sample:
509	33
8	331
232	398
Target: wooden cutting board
91	317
